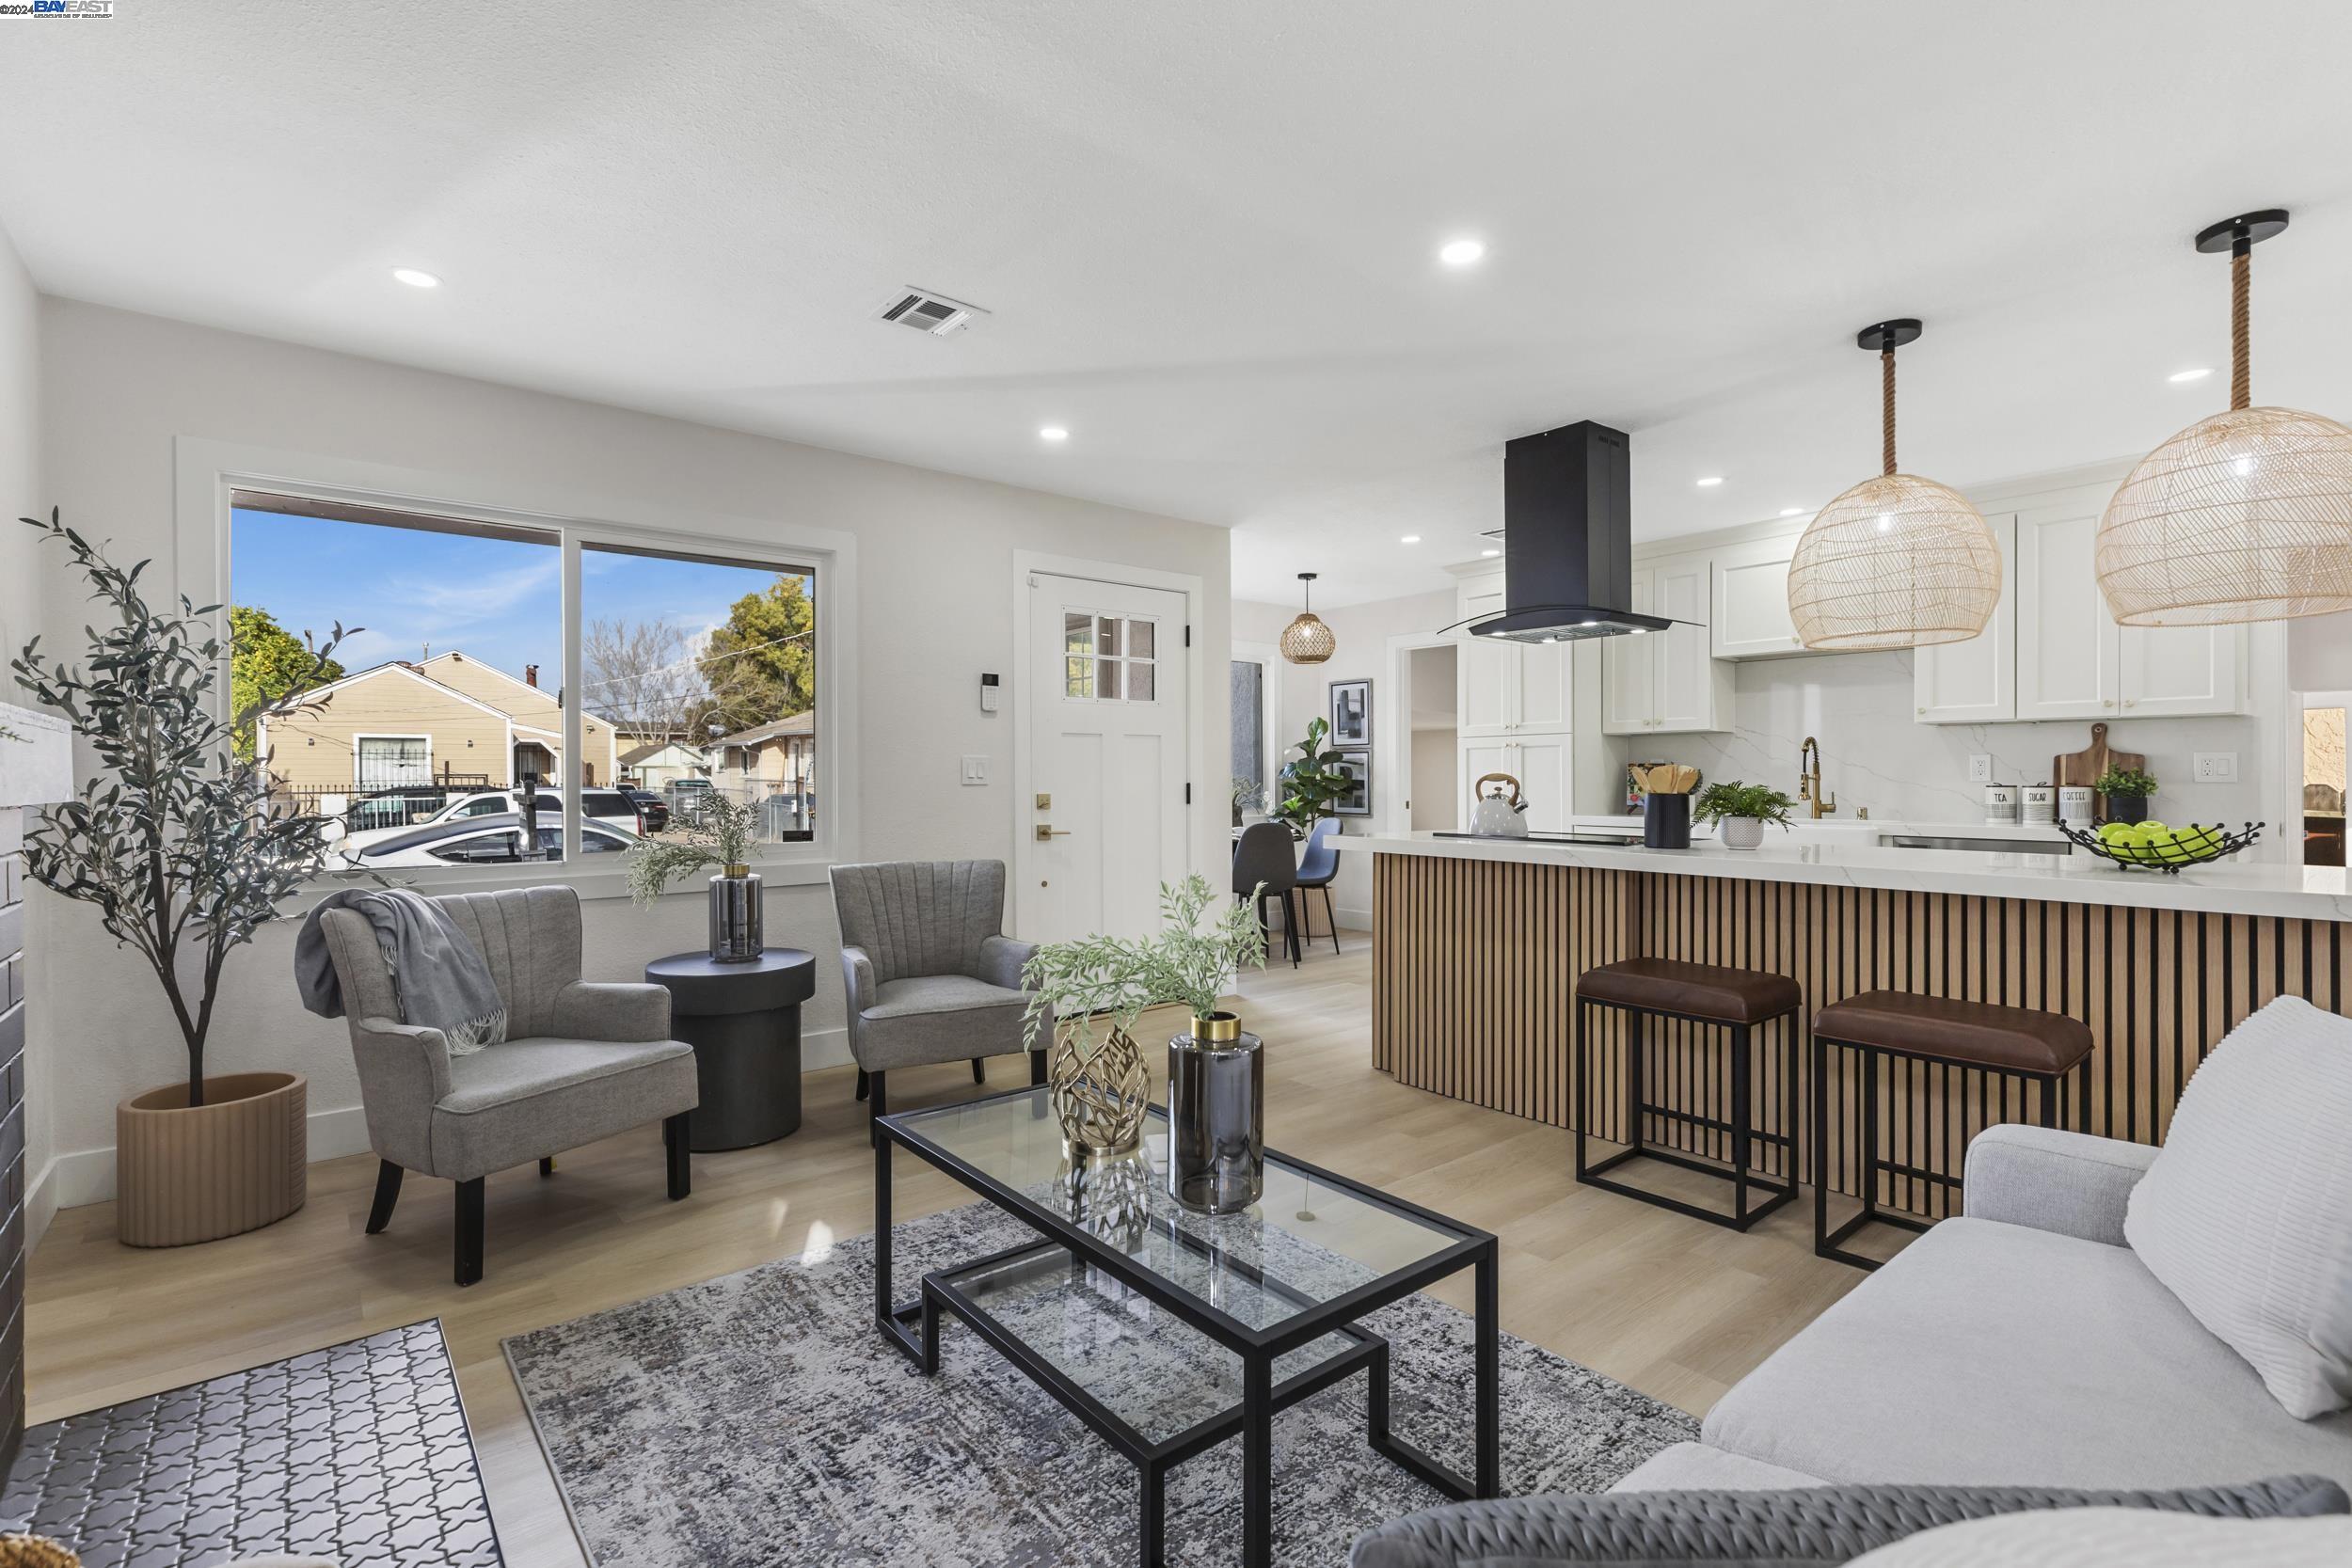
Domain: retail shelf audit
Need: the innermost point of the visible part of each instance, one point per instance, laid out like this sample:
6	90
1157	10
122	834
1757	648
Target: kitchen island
1478	943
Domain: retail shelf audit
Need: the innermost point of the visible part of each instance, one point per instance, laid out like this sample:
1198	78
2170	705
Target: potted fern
175	845
1215	1071
1741	810
724	838
2127	790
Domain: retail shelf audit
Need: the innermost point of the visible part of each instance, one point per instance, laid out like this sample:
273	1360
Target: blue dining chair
1317	866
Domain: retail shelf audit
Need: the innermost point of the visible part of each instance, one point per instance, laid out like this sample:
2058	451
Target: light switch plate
1979	767
976	770
2214	767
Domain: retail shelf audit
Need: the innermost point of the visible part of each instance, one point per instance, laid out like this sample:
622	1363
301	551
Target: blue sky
497	600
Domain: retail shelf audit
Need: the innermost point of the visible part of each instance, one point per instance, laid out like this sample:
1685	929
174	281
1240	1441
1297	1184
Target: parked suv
610	807
688	797
653	814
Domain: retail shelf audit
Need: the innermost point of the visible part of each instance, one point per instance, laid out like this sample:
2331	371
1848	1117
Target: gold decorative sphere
1897	562
1308	640
2243	516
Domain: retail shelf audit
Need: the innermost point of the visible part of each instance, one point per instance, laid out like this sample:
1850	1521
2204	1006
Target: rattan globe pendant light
1307	640
1897	562
2243	516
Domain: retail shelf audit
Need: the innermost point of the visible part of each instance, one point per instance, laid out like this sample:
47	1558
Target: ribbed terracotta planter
236	1162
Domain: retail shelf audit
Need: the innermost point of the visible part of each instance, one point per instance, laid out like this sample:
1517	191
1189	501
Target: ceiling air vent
929	313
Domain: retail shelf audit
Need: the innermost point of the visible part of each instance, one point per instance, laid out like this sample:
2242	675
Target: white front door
1106	716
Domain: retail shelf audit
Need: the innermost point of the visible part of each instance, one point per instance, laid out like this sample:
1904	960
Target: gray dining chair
1318	867
582	1060
1266	866
929	975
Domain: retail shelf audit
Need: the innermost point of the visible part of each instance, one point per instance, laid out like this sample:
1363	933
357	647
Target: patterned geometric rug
357	1452
759	1419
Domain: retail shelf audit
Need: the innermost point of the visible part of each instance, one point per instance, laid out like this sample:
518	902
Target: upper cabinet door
1544	690
2068	653
1975	682
1693	691
2171	670
1485	670
1626	666
1751	618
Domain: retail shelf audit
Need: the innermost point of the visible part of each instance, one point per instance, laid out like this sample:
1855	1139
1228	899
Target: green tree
268	664
760	664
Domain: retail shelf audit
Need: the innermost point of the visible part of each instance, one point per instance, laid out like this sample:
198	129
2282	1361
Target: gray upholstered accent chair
929	975
580	1062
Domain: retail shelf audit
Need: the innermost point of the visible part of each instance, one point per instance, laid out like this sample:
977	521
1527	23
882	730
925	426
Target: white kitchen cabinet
1541	764
1751	618
1502	687
1667	682
2074	663
1975	682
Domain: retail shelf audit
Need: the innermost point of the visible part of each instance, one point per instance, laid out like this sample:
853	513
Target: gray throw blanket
439	975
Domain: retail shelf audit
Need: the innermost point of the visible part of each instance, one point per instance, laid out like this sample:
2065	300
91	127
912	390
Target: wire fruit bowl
2194	845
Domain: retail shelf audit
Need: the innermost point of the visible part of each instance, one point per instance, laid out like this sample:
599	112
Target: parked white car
607	807
489	840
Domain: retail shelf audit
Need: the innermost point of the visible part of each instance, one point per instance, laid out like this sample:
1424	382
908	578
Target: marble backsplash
1860	707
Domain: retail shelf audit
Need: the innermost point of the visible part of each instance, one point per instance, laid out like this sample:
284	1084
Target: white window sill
592	885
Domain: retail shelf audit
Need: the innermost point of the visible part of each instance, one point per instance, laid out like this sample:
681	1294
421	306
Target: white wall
20	496
1362	633
934	612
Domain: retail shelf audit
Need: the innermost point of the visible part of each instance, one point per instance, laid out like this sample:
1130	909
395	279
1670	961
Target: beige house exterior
452	719
781	756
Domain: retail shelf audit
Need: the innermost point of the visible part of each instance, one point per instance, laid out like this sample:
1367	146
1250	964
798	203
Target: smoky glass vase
1216	1117
734	933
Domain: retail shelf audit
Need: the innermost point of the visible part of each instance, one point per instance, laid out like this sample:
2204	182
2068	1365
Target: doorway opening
1437	774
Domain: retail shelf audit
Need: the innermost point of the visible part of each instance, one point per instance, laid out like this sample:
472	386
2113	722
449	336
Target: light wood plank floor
1674	1306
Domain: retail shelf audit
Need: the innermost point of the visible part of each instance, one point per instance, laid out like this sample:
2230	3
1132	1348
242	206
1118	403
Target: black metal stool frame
1740	1172
2057	1101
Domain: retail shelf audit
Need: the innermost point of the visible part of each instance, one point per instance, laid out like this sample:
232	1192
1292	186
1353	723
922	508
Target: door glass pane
1107	679
1139	681
1109	644
1140	637
1249	697
1077	634
1079	679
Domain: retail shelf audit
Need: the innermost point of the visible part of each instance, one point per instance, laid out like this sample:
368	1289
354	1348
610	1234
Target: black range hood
1567	542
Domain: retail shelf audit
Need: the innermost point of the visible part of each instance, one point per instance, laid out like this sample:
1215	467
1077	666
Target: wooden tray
2084	767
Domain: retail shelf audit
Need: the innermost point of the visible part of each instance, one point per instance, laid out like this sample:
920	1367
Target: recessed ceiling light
1462	253
2198	374
1792	511
1710	481
416	279
1052	432
1410	539
1489	554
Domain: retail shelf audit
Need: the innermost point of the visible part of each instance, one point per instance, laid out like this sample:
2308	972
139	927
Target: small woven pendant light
1897	562
2245	516
1307	640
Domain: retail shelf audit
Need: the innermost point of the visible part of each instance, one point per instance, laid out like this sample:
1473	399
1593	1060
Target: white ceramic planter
1742	832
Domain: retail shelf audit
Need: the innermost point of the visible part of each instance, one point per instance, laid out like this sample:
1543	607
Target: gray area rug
761	1420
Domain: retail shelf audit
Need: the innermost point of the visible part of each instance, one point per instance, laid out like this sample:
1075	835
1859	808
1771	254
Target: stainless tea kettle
1497	816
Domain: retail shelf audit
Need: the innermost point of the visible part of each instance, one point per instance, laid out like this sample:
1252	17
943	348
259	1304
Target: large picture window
440	731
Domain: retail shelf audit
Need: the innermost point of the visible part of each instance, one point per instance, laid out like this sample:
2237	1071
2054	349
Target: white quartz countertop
2233	886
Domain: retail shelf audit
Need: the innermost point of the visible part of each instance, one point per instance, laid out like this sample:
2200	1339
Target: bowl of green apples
2156	846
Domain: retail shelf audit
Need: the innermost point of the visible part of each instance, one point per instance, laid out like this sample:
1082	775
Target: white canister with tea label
2077	804
2000	804
2040	805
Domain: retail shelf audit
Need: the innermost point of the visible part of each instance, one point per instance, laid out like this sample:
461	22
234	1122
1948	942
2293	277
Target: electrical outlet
976	770
2214	767
1979	767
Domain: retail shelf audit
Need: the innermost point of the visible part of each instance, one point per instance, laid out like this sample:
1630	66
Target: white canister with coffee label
2077	804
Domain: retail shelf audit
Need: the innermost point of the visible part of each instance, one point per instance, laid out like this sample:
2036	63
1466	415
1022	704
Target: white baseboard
1355	919
87	1176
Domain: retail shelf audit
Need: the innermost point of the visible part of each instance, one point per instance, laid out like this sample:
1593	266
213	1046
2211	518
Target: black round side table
743	1020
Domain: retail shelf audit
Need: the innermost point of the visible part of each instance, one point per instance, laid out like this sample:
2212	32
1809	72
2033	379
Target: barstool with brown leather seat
2024	1043
1737	1000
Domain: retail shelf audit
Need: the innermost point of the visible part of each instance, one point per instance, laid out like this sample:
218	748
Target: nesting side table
743	1020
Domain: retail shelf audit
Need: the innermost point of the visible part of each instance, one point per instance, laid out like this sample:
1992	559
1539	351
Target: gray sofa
2020	1346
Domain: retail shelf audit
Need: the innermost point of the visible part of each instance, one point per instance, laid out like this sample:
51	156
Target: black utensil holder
1666	821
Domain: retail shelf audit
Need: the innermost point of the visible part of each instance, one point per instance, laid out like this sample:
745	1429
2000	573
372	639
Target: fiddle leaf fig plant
1120	978
173	841
1312	783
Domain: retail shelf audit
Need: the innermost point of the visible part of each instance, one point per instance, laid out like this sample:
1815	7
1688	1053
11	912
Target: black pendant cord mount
1888	336
1882	338
2239	236
1309	579
2242	233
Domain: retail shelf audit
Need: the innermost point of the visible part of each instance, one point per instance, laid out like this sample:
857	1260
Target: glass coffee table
1269	1300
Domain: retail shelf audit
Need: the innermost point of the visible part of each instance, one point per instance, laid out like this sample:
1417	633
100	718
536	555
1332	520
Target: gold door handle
1044	832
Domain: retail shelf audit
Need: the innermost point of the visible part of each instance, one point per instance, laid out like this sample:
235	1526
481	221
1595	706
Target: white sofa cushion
2246	1214
2108	1537
1995	1354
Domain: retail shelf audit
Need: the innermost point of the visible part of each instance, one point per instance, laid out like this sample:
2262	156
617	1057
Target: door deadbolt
1045	803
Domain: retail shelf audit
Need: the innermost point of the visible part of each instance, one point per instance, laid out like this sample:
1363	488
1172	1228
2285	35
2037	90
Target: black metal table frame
1740	1171
914	1329
2057	1111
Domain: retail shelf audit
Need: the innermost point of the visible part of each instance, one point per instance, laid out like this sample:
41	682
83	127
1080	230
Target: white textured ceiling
1207	230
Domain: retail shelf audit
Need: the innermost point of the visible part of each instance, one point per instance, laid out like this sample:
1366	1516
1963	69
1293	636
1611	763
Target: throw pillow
2245	1214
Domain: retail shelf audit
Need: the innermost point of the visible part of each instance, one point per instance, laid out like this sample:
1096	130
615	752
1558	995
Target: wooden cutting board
2084	767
